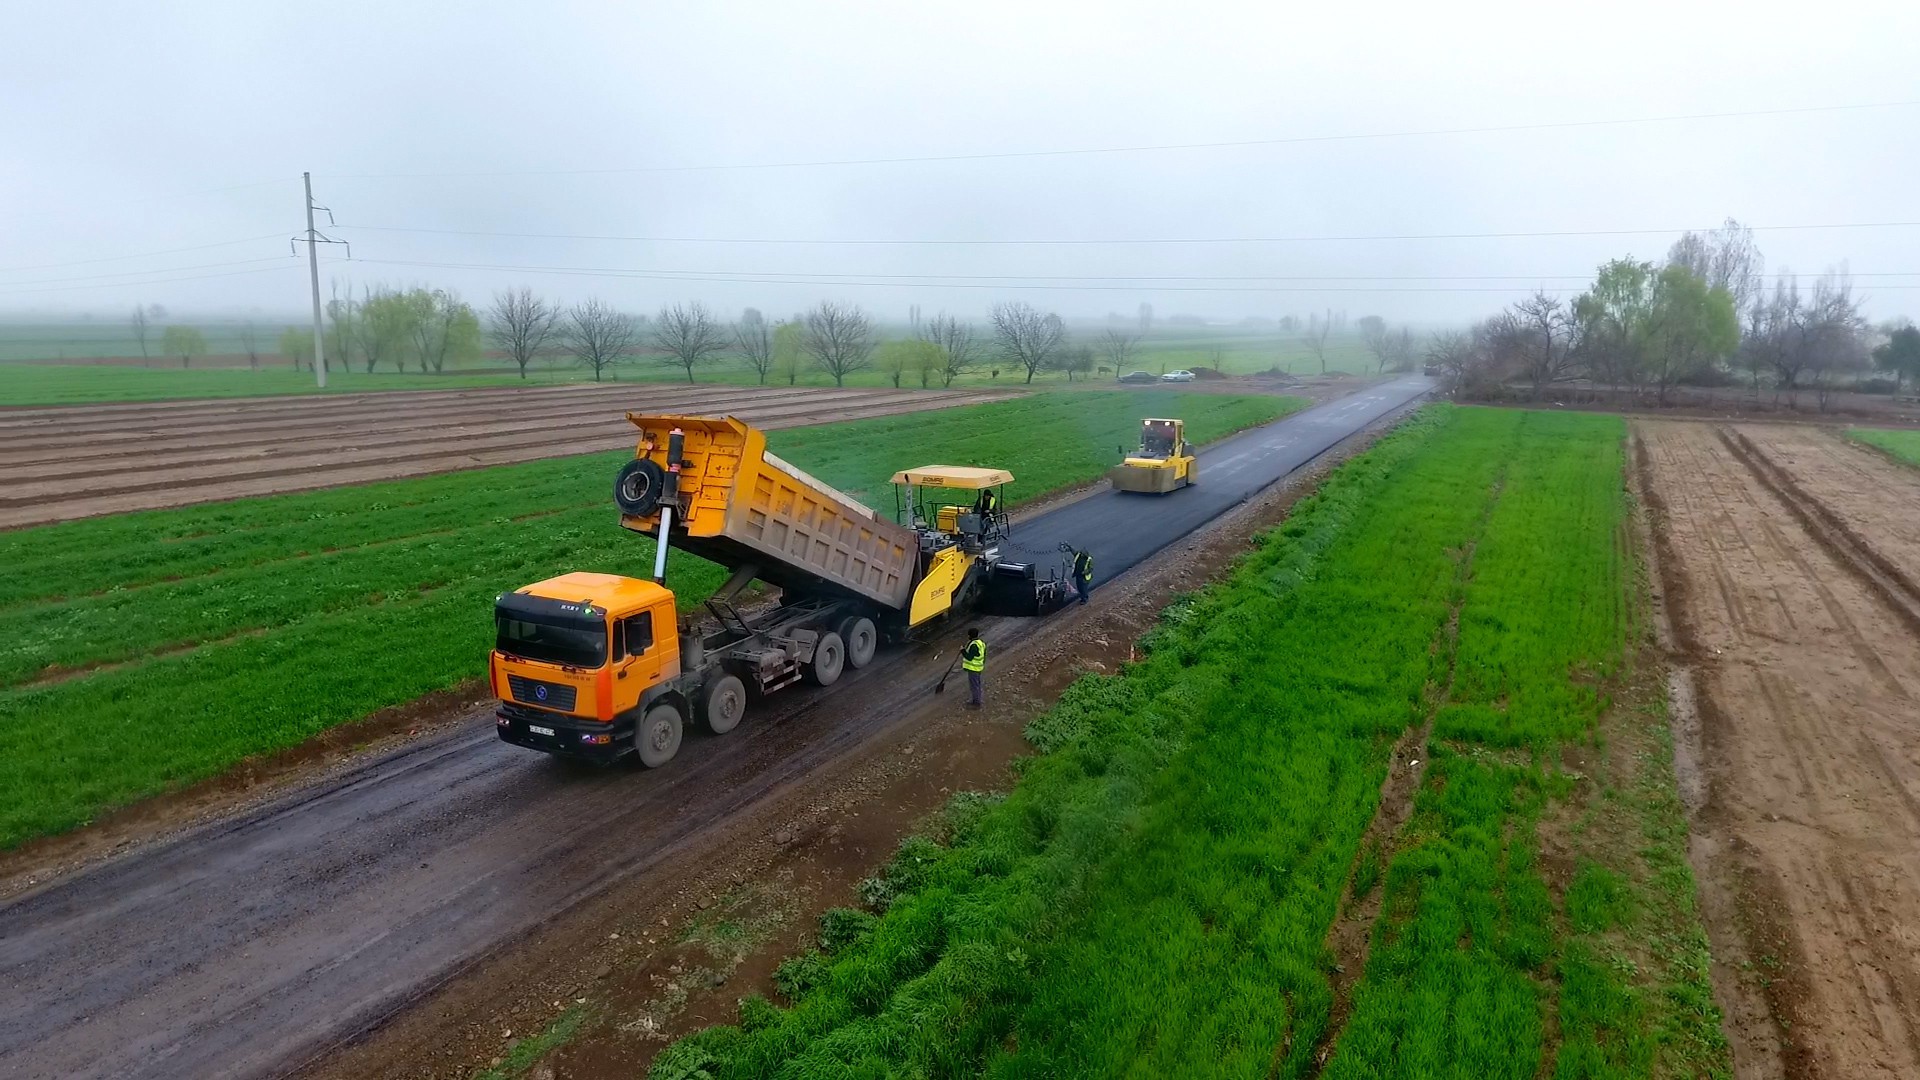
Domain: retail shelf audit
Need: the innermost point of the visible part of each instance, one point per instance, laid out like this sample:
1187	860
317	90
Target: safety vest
988	501
975	656
1083	566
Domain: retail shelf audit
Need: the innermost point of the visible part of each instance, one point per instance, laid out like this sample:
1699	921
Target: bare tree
1373	334
1072	359
1452	352
250	341
1026	335
598	336
960	350
689	335
755	339
1726	258
1546	346
1400	352
1315	339
520	324
141	328
1834	335
1117	346
839	338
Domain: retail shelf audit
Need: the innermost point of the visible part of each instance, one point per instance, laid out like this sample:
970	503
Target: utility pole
313	272
314	239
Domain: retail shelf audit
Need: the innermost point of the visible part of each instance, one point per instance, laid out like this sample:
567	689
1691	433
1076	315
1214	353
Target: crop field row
71	463
1448	618
144	651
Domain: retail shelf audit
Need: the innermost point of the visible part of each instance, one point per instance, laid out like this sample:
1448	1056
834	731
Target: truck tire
829	658
637	489
657	737
724	703
862	641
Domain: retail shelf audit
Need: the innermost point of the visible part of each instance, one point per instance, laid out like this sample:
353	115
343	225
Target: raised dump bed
737	505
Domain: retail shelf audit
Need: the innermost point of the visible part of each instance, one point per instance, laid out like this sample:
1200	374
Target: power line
1162	240
648	275
829	278
141	255
1154	148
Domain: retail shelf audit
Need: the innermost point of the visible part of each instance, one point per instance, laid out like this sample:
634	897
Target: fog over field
647	154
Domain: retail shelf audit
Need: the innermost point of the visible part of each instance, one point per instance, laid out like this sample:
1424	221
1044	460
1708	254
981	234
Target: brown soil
1727	404
637	957
1774	559
78	461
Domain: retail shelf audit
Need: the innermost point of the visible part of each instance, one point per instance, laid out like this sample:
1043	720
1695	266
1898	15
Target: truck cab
578	659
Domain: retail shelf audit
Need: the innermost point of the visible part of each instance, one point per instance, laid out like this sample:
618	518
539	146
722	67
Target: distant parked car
1433	371
1182	375
1139	376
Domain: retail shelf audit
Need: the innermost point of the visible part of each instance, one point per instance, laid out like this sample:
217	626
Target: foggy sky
118	118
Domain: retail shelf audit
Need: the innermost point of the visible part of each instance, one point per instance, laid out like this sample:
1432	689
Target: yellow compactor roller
600	666
1163	462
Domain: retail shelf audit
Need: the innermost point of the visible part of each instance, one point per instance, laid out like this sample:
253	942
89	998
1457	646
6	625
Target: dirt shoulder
665	953
1799	653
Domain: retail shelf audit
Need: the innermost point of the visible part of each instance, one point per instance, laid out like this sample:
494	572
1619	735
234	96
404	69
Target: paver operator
973	659
987	504
1083	573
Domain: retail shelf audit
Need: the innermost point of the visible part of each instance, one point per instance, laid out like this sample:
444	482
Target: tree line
1703	316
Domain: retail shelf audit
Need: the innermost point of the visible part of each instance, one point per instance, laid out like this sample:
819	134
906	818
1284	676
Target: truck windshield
570	645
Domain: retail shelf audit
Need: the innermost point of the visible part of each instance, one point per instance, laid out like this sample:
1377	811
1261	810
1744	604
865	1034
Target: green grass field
1154	896
1899	444
23	382
145	651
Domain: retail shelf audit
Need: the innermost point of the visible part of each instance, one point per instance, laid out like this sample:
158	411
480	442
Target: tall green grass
144	651
1153	898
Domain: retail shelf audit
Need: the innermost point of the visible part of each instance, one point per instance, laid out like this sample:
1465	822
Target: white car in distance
1183	375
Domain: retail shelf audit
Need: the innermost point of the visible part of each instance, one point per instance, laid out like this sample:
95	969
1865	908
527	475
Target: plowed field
74	462
1790	559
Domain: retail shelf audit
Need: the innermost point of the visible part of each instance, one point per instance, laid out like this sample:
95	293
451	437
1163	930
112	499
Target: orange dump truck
599	666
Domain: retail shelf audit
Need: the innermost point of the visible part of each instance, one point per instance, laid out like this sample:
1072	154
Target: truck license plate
538	730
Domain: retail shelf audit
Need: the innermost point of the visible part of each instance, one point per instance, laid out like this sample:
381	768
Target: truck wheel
862	640
657	738
726	703
829	657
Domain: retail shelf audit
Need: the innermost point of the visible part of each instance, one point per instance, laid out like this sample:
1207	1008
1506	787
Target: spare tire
637	488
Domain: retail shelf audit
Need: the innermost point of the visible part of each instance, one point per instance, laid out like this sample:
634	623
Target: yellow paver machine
1163	462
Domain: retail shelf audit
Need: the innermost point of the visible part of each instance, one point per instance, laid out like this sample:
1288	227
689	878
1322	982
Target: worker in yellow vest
1083	574
973	659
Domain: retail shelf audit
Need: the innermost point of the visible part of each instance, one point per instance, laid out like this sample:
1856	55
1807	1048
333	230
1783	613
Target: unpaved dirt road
77	461
1789	559
249	946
